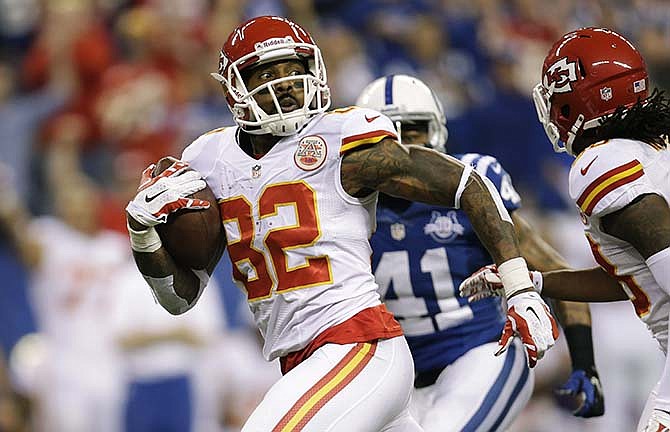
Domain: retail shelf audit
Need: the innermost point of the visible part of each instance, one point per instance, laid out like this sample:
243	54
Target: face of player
414	133
290	94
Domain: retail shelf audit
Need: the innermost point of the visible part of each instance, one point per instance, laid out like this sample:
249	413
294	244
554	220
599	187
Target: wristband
514	276
145	241
465	175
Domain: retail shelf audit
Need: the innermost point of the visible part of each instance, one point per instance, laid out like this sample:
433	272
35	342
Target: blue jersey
421	255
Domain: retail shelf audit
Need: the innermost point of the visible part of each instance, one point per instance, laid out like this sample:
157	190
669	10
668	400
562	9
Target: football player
594	103
72	261
296	187
423	252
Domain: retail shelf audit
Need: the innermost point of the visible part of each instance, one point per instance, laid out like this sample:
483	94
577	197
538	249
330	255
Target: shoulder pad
602	173
202	153
363	126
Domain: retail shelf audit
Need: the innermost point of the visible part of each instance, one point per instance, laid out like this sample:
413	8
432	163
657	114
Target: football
194	238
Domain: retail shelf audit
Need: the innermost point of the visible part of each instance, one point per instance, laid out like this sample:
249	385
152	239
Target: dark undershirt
398	205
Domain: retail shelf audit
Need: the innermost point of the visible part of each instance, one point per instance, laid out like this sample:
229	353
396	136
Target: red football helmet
586	76
261	40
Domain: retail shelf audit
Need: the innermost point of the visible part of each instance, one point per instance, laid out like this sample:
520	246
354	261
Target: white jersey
161	345
72	289
606	177
80	385
297	241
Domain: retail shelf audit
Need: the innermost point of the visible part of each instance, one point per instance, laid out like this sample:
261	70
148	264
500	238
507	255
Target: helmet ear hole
565	111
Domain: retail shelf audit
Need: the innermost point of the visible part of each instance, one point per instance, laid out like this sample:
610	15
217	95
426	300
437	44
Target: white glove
168	192
486	282
659	421
528	317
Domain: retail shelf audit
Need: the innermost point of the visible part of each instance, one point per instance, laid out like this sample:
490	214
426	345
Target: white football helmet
404	98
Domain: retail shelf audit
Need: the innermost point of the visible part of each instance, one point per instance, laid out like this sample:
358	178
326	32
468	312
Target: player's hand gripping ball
193	237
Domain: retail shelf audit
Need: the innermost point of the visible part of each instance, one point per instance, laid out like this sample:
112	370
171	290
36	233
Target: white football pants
360	387
478	392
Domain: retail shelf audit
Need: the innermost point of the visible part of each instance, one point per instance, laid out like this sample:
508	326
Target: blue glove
582	394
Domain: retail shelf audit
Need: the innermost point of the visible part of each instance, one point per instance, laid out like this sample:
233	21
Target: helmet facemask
246	110
542	100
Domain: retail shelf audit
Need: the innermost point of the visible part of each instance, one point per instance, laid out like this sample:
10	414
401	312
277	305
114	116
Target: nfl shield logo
397	231
256	171
605	93
639	85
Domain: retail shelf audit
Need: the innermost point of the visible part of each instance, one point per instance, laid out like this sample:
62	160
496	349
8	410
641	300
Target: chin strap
572	134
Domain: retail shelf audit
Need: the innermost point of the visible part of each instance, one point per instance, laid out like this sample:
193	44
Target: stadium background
100	88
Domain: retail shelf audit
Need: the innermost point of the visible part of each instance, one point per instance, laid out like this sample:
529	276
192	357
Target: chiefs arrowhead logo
560	75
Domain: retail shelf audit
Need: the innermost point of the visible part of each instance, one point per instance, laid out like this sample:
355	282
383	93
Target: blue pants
162	405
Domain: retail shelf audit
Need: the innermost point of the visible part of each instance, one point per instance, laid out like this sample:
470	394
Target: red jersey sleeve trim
608	182
373	137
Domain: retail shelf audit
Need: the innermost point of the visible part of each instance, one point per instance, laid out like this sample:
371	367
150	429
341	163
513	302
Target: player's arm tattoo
420	174
398	171
644	223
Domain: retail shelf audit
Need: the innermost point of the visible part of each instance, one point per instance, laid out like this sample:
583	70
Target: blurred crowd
92	91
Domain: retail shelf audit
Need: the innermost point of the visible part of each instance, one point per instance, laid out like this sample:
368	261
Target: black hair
647	121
